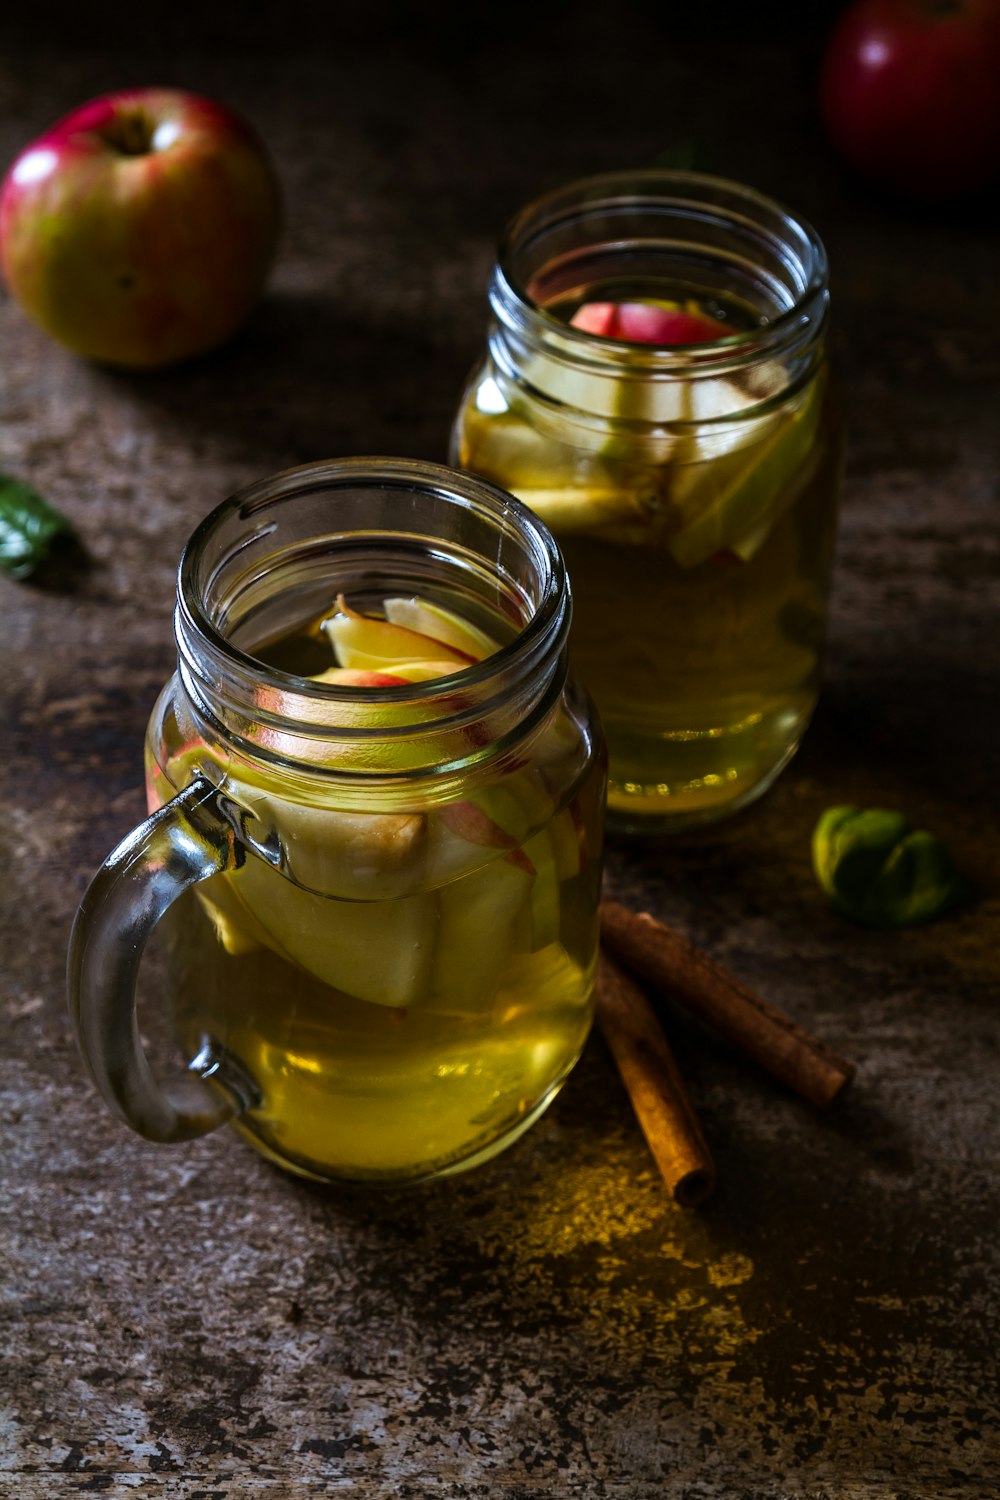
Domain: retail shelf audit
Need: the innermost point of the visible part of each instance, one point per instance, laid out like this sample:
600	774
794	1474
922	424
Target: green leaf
28	528
880	871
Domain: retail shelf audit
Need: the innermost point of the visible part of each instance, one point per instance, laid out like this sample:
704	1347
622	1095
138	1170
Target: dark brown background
190	1319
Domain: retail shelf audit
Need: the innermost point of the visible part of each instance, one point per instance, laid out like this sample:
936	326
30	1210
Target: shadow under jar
379	903
655	388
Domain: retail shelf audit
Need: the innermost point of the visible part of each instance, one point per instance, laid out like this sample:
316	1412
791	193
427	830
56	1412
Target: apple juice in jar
397	977
655	388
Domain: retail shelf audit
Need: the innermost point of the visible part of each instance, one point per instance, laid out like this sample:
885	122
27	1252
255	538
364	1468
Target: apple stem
131	133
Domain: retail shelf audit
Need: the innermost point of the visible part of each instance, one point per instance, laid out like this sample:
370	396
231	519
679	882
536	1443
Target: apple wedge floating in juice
362	642
731	501
650	321
613	514
424	618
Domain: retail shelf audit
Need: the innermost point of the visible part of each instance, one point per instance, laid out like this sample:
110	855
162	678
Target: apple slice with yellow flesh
479	921
611	513
546	979
235	926
734	497
441	625
330	850
379	950
362	642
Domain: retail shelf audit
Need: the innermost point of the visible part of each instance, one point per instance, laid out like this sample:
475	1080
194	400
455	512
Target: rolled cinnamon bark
654	1084
669	962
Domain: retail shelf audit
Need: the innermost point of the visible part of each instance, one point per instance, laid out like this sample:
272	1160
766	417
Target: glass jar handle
185	841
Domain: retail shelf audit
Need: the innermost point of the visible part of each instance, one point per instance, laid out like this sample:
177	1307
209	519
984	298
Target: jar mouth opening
717	217
291	531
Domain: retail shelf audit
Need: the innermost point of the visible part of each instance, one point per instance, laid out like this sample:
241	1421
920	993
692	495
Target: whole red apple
909	93
140	229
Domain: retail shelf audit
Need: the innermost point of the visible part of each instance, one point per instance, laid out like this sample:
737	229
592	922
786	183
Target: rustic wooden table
190	1321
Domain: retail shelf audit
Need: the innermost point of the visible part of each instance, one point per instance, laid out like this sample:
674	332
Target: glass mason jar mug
378	882
655	388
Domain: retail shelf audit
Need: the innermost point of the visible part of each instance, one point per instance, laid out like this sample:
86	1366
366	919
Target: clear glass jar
379	903
691	485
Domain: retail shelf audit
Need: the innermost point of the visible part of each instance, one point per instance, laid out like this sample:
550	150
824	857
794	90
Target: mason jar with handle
655	387
374	844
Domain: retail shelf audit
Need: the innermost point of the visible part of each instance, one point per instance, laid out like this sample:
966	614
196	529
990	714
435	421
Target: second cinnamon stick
654	1085
669	962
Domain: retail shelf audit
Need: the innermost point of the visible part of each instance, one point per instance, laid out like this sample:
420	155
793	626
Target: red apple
647	323
909	94
140	229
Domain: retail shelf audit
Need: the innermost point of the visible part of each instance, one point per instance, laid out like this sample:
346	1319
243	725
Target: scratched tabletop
189	1320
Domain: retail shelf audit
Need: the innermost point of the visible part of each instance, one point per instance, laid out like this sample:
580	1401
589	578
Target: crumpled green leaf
880	871
29	526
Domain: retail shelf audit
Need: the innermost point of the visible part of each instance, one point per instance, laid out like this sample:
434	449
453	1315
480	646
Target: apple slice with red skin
355	677
647	323
398	674
468	821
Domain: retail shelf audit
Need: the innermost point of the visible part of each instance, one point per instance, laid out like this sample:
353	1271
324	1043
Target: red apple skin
645	323
908	94
139	230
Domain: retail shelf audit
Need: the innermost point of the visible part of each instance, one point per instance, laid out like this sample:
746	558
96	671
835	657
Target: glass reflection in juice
655	388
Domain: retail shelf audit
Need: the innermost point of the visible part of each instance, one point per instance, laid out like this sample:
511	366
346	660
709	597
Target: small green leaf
880	871
28	528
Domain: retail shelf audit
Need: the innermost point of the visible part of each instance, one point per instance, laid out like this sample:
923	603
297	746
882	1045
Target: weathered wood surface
189	1321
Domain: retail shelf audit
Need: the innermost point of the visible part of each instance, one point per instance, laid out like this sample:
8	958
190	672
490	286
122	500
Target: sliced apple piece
234	926
507	445
353	677
466	820
479	920
546	979
380	951
363	643
355	856
544	900
615	514
441	625
648	322
595	317
733	497
398	674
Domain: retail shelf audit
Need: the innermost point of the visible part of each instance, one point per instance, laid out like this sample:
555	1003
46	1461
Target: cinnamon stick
654	1085
669	962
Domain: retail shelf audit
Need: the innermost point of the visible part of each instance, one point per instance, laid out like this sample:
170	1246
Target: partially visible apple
140	229
909	94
